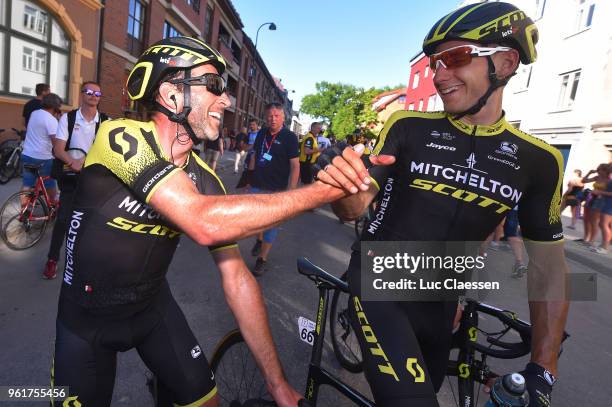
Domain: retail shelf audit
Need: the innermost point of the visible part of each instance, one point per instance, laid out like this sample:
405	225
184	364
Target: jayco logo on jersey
196	351
440	147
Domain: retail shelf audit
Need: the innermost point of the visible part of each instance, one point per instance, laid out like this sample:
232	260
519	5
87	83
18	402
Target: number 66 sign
306	328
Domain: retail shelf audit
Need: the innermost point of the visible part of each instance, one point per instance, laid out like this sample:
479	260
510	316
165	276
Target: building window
195	5
135	31
170	30
415	81
401	99
421	105
37	48
208	18
426	71
569	88
584	14
432	102
539	9
411	106
523	78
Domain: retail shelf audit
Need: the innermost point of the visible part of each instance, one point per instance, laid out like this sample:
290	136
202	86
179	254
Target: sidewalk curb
587	259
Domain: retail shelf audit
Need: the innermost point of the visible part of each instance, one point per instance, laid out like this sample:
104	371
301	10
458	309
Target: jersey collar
477	130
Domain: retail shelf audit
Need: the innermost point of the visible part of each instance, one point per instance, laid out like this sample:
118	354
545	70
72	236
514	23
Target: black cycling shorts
86	349
405	346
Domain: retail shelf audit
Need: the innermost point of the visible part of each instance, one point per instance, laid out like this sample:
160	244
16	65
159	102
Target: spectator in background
275	168
76	130
573	197
602	189
241	147
42	89
232	140
213	150
594	204
324	142
37	147
251	137
309	152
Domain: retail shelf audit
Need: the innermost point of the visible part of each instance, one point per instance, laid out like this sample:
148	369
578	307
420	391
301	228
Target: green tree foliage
344	107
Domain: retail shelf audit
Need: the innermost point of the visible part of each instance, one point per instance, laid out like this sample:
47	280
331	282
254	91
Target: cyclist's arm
244	298
211	220
540	222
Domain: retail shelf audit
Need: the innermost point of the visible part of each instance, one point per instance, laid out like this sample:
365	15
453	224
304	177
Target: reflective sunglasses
214	83
90	92
462	55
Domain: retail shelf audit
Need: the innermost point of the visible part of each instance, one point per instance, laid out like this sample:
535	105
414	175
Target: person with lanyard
309	152
76	131
275	168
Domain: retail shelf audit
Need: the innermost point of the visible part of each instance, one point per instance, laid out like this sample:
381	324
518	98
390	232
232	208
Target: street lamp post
272	27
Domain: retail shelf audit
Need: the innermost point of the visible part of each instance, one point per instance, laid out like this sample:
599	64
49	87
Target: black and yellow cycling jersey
453	181
309	141
118	247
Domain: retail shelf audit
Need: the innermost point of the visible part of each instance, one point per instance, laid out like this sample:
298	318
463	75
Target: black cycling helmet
165	57
487	23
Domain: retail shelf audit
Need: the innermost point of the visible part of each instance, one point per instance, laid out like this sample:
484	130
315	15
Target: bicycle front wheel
239	380
344	341
23	220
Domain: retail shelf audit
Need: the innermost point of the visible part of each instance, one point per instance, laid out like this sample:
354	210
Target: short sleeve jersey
272	159
118	248
453	181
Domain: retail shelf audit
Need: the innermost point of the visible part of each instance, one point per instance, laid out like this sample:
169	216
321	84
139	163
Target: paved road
28	307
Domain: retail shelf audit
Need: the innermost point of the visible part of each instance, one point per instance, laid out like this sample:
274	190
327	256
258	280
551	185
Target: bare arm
351	207
244	298
211	220
59	151
548	305
294	172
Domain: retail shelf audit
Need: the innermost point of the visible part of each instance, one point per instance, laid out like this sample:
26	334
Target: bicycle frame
318	376
38	188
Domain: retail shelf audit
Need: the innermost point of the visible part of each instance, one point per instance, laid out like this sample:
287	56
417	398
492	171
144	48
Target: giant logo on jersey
123	143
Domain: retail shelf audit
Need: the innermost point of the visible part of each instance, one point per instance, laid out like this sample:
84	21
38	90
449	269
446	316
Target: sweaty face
206	108
275	119
460	88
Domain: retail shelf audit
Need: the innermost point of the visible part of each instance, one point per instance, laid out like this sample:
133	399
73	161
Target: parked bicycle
25	214
10	156
240	383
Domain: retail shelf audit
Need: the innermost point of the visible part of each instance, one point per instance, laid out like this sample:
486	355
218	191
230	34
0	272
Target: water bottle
509	391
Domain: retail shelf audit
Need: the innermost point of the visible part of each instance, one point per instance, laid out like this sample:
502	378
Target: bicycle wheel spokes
239	381
344	341
23	220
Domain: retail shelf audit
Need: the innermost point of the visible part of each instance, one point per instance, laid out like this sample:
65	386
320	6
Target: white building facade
565	97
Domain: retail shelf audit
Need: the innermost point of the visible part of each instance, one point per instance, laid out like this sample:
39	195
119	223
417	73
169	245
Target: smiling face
206	108
460	88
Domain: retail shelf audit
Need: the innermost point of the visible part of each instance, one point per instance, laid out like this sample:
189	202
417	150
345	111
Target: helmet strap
181	118
494	83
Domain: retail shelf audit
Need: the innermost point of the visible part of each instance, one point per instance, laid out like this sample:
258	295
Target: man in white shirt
37	147
76	132
323	141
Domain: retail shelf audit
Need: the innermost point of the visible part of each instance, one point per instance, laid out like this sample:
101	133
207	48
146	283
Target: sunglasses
90	92
214	83
462	55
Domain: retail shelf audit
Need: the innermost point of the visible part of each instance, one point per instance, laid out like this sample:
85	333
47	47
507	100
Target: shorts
607	208
511	225
211	155
598	203
406	345
572	201
269	236
86	347
29	179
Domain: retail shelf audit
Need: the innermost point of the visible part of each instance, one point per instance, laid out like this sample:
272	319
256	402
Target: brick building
45	41
421	94
129	26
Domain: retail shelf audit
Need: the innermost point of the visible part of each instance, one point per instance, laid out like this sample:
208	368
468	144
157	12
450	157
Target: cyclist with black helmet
141	187
453	176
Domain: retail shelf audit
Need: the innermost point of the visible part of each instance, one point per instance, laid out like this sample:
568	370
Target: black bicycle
240	382
10	156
